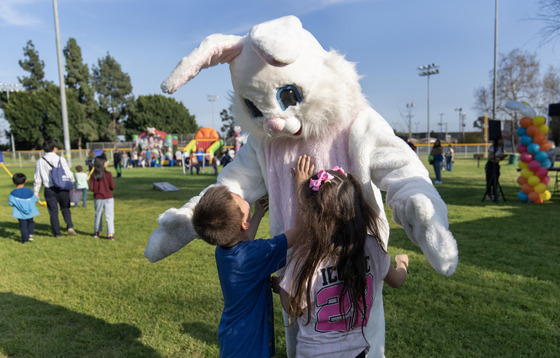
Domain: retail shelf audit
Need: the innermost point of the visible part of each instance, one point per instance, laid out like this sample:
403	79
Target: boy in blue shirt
223	218
23	201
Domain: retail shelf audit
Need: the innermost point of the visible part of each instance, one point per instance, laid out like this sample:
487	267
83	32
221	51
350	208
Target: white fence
461	150
78	157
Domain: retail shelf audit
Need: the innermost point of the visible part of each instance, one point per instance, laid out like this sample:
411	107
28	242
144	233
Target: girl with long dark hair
330	283
437	152
102	184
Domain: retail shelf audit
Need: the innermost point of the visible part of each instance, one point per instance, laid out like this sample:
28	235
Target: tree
34	66
24	124
78	81
114	89
228	125
36	116
549	13
518	80
104	123
161	112
77	76
551	88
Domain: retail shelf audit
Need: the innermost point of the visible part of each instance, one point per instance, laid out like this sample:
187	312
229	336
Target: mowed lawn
84	297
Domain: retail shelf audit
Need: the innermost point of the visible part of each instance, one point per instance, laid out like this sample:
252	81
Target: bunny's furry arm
416	204
243	176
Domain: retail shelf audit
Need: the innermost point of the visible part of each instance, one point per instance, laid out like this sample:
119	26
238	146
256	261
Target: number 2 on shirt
329	317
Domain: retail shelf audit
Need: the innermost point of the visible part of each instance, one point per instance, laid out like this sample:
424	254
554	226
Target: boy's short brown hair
217	217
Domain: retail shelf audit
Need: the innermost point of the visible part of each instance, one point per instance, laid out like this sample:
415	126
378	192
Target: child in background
336	268
23	201
102	184
81	183
193	163
215	163
223	218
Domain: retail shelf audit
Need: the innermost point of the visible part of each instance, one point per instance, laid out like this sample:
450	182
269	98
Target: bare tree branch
549	14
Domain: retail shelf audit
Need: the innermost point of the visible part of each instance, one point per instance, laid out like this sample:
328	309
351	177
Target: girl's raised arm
396	276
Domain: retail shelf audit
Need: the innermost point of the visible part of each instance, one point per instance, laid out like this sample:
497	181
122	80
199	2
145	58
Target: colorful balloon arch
534	162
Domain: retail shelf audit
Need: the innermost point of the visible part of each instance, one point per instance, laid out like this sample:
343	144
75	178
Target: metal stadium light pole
427	71
461	126
67	152
212	98
495	87
409	106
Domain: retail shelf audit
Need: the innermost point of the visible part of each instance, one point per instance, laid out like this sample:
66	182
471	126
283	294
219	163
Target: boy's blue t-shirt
247	325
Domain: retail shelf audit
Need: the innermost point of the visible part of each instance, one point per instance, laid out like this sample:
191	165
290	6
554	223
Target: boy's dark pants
54	197
26	227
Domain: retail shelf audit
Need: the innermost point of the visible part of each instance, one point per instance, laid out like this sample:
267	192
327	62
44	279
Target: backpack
59	178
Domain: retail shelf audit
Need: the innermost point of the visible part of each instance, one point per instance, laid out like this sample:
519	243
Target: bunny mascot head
295	98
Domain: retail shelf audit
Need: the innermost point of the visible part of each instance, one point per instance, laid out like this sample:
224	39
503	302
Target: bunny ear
278	42
213	50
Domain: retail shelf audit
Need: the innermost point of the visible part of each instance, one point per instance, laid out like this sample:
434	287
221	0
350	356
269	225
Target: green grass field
84	297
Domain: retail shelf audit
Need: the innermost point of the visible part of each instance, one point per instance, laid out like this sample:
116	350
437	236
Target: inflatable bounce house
207	140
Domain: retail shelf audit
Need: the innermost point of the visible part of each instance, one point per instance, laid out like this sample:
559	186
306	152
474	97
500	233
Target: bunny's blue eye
288	96
255	112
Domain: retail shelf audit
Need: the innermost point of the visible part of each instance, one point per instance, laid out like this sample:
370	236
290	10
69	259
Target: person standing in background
125	160
82	183
134	159
102	184
179	157
200	158
449	158
117	161
54	196
193	163
492	168
24	209
437	152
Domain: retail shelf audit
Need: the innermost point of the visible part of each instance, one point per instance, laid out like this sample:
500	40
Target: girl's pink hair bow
338	169
322	176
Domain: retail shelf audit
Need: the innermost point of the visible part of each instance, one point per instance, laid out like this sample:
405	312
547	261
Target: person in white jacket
54	196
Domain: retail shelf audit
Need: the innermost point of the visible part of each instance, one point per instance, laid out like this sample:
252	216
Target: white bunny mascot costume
295	98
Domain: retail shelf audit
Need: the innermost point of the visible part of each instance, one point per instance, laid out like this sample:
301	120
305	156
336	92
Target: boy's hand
303	171
261	206
275	283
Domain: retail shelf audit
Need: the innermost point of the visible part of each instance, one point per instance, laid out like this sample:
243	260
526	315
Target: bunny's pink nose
276	124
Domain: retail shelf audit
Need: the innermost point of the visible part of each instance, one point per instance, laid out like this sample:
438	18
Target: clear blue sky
388	39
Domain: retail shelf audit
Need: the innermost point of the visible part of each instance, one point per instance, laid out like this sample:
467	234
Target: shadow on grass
9	230
32	328
470	189
201	331
456	191
514	238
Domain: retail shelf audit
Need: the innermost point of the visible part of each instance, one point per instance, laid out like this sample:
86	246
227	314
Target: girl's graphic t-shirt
325	334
